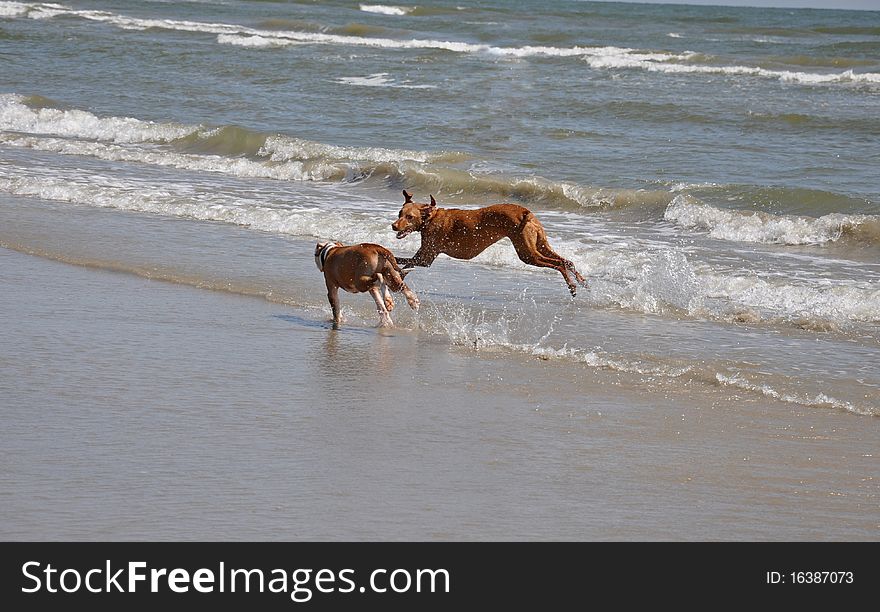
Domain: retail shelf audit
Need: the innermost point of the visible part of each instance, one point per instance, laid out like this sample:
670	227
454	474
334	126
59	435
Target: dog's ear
407	197
433	201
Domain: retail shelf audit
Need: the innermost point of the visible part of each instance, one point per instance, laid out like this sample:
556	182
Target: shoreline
468	304
144	410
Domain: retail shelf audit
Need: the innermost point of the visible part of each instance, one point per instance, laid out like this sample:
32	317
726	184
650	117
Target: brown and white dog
464	234
360	268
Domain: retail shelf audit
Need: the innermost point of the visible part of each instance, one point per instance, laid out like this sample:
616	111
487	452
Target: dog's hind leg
395	282
526	248
539	260
381	308
545	250
384	286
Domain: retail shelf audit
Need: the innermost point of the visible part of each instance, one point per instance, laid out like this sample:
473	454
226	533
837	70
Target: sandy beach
146	409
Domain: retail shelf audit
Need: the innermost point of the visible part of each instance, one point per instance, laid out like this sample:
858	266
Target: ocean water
712	171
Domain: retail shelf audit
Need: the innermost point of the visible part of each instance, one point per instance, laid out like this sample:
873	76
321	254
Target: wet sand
141	409
166	366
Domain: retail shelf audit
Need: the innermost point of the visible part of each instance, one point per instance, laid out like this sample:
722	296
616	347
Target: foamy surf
522	327
382	9
638	277
245	153
291	170
380	79
642	277
16	115
613	58
819	400
761	227
14	9
191	203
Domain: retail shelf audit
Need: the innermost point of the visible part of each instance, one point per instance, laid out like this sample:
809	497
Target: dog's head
321	251
413	216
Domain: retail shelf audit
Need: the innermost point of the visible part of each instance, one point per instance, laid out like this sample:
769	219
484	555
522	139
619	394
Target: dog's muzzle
404	233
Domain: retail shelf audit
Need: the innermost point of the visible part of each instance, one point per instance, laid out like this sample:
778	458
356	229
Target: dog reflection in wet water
362	268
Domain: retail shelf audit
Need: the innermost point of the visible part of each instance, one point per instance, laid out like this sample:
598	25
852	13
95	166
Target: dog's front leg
333	296
423	258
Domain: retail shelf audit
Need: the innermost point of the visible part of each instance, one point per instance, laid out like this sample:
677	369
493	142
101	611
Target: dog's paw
414	304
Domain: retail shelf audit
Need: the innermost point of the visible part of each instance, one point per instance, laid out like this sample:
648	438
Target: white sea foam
48	11
379	79
283	148
16	116
255	40
13	9
178	201
665	281
744	226
523	328
245	35
386	10
520	328
818	400
803	304
613	59
233	166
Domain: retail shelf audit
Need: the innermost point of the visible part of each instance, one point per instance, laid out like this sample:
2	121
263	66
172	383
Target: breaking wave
386	10
37	123
635	277
745	226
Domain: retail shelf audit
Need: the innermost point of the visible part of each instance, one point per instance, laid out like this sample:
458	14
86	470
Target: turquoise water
713	171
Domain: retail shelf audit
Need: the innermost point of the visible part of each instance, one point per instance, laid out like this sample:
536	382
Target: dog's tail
389	257
528	216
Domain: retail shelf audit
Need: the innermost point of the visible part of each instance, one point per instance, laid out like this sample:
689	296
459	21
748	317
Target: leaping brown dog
464	234
360	268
